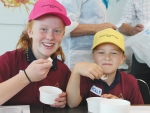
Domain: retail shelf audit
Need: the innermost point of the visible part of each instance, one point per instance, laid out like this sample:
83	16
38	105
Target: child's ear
93	57
29	31
122	59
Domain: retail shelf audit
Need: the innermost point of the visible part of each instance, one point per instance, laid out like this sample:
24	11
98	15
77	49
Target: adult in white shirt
87	17
138	10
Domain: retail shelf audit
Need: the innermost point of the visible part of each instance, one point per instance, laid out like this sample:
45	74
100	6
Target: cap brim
64	18
102	42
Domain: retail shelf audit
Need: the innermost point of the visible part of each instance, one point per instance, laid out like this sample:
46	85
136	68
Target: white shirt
138	10
78	49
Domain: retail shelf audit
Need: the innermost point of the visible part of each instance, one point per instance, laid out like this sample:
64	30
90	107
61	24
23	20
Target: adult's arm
90	29
128	16
76	29
129	30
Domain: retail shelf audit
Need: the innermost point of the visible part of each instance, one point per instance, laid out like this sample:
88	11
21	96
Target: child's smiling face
109	57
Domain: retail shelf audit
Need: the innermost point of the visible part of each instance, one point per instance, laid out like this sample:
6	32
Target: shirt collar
30	58
117	77
107	87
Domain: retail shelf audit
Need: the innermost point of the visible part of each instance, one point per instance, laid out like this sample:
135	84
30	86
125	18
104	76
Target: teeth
48	44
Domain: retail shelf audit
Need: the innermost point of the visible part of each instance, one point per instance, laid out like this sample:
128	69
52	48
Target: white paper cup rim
95	99
115	102
44	89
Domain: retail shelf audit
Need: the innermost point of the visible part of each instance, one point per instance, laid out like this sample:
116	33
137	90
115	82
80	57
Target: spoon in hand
104	77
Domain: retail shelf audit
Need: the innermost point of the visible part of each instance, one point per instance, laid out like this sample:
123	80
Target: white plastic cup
48	94
10	110
93	104
115	106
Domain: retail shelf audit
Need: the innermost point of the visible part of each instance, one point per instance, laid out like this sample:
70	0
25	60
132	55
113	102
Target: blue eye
57	31
113	53
100	52
44	29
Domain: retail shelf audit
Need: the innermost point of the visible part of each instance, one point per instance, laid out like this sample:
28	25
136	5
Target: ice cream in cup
104	77
50	59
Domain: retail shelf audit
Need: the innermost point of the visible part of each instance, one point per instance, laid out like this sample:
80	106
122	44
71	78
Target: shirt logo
96	90
51	6
57	84
121	96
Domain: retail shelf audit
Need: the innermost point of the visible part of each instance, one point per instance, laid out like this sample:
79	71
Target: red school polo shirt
14	61
124	86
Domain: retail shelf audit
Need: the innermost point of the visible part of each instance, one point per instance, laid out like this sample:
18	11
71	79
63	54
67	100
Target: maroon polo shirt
124	86
14	61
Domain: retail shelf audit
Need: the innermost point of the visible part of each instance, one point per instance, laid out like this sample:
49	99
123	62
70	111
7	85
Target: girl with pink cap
27	68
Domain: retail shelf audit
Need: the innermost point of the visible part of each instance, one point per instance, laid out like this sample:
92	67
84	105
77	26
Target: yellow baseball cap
109	36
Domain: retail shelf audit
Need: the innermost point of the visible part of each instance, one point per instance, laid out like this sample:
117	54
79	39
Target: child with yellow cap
108	52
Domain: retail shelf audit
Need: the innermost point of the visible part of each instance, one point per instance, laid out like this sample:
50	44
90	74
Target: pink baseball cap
42	7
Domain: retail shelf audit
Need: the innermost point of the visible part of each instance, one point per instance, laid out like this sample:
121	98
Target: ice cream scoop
50	59
104	77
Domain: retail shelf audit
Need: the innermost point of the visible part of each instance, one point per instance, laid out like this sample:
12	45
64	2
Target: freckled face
109	57
46	33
